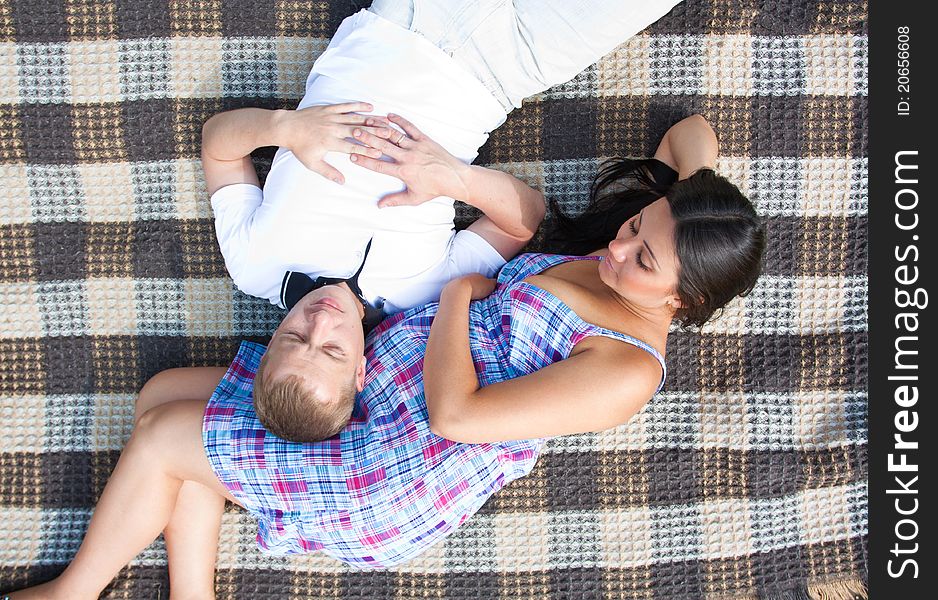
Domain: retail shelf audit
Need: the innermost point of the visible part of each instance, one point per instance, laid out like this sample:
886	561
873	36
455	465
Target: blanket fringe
796	594
848	589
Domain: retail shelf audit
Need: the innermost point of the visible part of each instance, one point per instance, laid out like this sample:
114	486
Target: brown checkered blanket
744	478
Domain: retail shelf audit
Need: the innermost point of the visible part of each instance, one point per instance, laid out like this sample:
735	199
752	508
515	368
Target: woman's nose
619	248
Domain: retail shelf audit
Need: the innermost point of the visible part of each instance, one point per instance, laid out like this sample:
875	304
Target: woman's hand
311	132
424	166
475	284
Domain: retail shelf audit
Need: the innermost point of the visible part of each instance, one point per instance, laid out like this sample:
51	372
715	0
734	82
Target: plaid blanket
744	478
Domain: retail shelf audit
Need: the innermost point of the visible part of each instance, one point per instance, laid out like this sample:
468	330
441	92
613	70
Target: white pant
522	47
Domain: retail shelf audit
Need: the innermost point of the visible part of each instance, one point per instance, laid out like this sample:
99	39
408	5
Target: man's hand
424	166
311	132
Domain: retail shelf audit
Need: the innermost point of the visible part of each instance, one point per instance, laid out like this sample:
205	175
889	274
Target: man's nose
320	321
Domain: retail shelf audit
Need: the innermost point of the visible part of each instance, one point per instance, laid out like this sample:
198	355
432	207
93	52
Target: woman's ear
674	302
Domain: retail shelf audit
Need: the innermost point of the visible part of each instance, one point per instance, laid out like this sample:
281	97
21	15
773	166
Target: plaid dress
386	488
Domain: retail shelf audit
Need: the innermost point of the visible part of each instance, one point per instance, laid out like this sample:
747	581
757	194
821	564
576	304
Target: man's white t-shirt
304	222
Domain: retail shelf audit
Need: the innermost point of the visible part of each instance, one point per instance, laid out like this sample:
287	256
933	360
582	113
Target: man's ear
360	375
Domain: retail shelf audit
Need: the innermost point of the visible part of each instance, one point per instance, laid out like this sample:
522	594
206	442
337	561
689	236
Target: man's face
320	340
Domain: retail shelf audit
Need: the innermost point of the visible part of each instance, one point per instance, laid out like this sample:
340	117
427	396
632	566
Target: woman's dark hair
719	238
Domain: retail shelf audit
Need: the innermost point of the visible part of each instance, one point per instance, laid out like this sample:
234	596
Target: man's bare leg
164	451
192	532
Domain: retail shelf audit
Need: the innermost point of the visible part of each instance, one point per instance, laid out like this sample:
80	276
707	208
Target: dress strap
532	264
634	341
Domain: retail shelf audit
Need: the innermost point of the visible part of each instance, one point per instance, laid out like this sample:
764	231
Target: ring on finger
400	139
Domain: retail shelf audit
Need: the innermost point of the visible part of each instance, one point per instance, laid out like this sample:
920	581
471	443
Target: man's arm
228	139
513	210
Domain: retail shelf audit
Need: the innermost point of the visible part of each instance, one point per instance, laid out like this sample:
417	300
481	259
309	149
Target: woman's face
641	264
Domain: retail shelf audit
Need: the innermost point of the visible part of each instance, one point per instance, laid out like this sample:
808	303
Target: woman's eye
641	265
632	227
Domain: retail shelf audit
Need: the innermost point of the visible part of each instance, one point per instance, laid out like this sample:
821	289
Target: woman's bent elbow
443	422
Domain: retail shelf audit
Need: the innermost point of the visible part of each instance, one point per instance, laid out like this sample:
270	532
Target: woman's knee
181	383
171	429
154	392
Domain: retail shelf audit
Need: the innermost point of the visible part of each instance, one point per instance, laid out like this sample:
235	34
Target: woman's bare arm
689	145
512	210
600	386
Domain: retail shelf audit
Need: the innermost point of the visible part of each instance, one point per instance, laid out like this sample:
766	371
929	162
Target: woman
565	344
562	344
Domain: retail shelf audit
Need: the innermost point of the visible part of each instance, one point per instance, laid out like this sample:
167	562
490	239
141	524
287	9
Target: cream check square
113	421
725	529
23	531
819	418
295	58
209	307
727	65
633	435
521	541
733	319
824	515
22	423
626	537
531	172
724	422
9	74
826	186
20	315
430	561
192	201
829	65
313	563
17	208
108	191
738	169
820	304
626	70
112	308
196	67
94	67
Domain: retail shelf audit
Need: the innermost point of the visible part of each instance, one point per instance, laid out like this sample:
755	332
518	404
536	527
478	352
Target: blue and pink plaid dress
386	488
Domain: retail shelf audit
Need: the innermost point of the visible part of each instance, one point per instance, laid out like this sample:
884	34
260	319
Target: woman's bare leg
192	532
164	451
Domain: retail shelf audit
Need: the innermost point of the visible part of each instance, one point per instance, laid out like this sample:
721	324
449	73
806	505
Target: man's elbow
538	212
207	129
532	216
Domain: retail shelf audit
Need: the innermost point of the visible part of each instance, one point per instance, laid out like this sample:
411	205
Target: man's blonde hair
288	409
